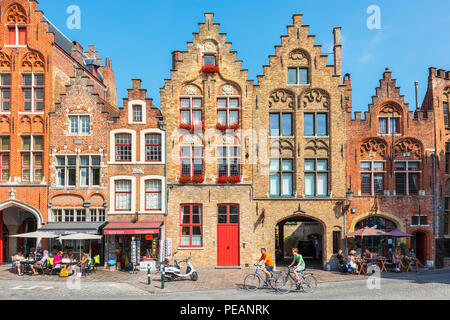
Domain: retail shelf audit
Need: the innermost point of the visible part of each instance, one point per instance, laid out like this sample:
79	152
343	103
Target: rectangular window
57	215
137	113
316	124
17	35
407	177
69	215
228	161
81	215
228	214
191	111
209	60
281	177
79	125
5	92
419	220
447	158
316	177
372	177
191	226
153	147
32	149
4	158
123	195
298	75
123	147
445	107
280	124
389	125
33	92
153	195
228	111
191	161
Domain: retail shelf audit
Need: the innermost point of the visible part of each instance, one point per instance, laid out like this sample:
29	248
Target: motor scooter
173	271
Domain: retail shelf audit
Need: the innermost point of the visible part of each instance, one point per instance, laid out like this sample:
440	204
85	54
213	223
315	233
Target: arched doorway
16	217
382	245
419	243
304	233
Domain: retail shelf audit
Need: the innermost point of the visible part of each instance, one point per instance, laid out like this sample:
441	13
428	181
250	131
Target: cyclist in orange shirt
268	264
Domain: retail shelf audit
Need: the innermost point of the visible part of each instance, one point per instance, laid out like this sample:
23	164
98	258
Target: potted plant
234	179
210	68
221	127
186	126
185	179
222	180
234	126
198	178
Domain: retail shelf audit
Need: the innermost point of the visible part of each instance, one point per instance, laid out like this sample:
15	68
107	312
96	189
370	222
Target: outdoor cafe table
361	266
27	263
382	263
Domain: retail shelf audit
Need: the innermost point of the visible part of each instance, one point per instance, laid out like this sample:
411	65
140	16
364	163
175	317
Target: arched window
16	21
380	245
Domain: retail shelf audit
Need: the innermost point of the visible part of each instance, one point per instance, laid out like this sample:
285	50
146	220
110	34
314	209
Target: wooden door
228	236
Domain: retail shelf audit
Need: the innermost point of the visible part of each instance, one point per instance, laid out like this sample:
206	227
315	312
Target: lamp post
345	207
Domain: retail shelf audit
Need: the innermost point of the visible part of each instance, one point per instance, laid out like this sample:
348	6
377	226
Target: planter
224	127
210	68
229	180
198	179
185	179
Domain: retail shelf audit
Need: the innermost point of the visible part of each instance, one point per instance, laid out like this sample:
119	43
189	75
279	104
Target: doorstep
231	267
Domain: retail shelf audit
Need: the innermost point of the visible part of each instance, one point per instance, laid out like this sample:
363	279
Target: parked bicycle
285	283
254	281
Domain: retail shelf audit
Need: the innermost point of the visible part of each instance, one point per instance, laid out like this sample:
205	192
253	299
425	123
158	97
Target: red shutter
22	36
12	35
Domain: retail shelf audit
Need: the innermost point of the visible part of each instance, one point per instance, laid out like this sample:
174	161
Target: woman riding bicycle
298	258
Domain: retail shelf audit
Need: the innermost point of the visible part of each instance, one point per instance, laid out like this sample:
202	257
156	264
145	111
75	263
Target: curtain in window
274	185
309	184
322	184
287	184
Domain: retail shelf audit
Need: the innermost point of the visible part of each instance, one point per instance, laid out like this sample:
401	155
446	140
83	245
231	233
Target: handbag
63	272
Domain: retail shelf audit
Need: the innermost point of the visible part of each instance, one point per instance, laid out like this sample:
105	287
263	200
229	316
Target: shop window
31	152
153	147
191	161
153	195
33	92
5	92
228	161
407	177
123	195
4	158
17	35
316	124
281	177
123	147
280	124
191	225
316	177
298	75
228	111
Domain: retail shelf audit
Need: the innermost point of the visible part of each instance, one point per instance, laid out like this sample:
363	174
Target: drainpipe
434	206
161	127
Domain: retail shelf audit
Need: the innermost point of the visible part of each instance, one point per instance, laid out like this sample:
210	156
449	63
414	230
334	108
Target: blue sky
139	36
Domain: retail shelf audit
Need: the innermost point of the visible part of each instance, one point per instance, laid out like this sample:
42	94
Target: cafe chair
54	269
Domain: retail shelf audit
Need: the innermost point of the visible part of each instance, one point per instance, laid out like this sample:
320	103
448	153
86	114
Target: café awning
65	228
130	228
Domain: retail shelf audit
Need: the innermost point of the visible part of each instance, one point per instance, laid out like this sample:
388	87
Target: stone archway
399	224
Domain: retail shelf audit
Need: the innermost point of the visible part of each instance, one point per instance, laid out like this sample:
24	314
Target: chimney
297	19
136	83
416	84
337	51
77	52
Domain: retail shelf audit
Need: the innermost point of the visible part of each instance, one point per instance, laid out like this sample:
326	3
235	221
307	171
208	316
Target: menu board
112	250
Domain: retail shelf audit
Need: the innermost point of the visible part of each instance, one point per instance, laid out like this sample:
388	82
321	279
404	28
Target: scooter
173	272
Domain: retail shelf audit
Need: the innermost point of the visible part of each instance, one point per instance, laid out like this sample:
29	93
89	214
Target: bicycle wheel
309	283
284	284
252	282
273	280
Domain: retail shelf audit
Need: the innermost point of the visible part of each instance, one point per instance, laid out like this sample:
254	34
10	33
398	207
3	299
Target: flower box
210	68
235	126
221	127
185	179
224	127
198	178
186	126
229	179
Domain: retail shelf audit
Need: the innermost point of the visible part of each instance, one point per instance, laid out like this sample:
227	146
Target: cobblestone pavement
209	279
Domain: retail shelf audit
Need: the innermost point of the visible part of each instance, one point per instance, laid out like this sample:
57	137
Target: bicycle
252	282
286	283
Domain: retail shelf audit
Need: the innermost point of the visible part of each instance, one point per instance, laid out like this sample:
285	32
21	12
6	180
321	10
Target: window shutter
12	35
22	36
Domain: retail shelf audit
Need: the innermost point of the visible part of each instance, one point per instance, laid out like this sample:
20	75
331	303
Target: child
298	258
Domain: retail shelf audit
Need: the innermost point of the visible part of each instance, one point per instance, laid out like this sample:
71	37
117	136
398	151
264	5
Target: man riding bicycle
265	257
298	258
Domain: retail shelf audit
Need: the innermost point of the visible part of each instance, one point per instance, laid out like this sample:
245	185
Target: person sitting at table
351	265
41	262
368	256
397	260
69	255
79	265
411	254
32	254
16	262
57	260
341	260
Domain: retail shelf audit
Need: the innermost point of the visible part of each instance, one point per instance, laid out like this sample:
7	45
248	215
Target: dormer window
389	125
137	113
17	35
209	60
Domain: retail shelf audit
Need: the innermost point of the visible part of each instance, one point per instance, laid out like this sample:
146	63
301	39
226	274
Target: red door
228	236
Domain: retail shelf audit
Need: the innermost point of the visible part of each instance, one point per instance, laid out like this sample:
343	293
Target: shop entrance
228	236
419	243
303	233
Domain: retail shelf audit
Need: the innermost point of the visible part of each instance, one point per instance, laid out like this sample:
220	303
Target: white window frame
419	225
32	153
112	194
130	111
142	194
143	133
90	167
79	116
388	126
372	173
112	144
5	87
33	88
16	45
407	172
228	108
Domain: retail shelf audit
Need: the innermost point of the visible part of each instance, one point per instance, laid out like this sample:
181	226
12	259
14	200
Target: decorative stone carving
16	14
25	124
281	97
227	90
317	145
316	99
33	61
301	57
408	145
191	90
447	92
4	124
390	110
208	47
373	147
5	60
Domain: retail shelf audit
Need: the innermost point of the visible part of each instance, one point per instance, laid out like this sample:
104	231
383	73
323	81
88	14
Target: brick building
390	170
299	176
136	178
207	108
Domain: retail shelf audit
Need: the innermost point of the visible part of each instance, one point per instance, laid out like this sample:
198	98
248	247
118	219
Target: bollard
149	278
163	276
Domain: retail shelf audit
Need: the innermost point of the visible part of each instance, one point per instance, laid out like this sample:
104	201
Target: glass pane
366	183
287	165
72	177
222	103
322	129
153	201
37	174
61	177
400	183
287	184
303	75
95	161
292	75
196	214
197	103
197	117
222	214
6	79
234	117
274	165
322	184
84	160
393	125
27	80
274	125
275	185
185	103
309	124
382	125
400	166
234	103
26	160
366	166
234	214
71	161
39	79
26	143
153	185
222	117
322	165
413	183
310	184
310	165
38	160
413	166
74	125
86	124
185	215
287	124
84	176
209	60
185	117
96	177
378	166
185	236
196	236
198	152
38	143
39	94
378	184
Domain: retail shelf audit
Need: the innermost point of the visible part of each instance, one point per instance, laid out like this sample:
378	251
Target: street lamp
345	207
